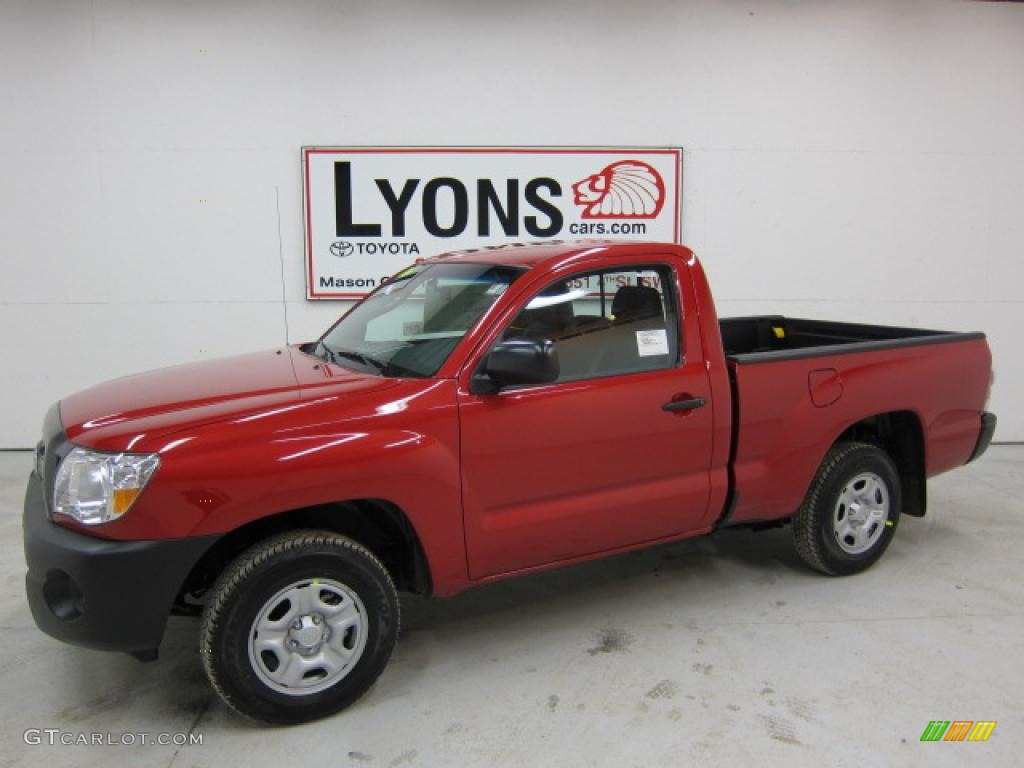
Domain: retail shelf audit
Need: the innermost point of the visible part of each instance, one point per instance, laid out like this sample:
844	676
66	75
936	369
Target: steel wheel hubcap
861	513
308	636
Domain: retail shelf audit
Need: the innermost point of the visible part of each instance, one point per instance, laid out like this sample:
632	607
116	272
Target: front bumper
107	595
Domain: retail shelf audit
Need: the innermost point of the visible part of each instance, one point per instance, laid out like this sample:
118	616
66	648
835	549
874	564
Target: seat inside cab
594	336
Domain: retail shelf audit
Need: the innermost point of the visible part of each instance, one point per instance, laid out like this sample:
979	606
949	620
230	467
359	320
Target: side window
606	323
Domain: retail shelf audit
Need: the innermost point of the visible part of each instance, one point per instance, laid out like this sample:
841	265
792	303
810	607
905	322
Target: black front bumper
108	595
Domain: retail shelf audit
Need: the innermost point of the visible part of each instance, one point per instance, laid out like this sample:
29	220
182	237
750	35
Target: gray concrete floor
725	650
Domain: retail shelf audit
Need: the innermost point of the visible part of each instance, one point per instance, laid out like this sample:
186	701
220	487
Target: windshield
409	326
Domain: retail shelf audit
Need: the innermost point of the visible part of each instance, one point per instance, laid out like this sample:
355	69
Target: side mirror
517	361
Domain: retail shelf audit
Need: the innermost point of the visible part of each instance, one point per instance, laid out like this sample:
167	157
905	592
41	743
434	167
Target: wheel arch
379	525
899	434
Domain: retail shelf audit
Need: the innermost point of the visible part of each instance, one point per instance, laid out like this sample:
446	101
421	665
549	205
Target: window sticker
650	343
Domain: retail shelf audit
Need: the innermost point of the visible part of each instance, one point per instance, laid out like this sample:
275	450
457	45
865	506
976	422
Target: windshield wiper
385	369
334	354
328	353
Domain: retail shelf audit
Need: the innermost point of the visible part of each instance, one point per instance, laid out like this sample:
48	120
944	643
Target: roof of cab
531	254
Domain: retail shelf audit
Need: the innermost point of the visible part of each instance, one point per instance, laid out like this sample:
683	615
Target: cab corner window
605	323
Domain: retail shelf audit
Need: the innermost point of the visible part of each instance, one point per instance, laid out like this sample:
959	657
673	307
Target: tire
298	627
851	511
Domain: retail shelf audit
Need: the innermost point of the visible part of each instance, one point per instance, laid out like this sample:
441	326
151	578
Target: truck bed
764	338
798	385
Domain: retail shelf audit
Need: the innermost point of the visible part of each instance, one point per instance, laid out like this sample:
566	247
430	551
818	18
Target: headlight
95	488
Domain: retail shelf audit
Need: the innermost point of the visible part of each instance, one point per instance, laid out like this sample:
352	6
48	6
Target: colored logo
627	189
958	730
341	249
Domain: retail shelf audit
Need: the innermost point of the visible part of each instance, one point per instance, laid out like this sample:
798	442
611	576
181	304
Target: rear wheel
851	510
299	627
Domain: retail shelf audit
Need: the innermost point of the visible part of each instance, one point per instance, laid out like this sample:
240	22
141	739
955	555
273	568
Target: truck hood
118	414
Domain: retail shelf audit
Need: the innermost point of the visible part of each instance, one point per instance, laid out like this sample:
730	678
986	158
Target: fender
218	477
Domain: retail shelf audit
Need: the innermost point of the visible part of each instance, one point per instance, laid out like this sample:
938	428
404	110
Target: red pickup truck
480	415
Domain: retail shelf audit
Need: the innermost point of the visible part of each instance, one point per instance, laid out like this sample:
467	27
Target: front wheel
851	510
298	627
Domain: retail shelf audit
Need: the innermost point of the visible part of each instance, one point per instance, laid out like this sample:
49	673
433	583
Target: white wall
847	160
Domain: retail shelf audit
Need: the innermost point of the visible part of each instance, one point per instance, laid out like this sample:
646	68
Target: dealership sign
369	212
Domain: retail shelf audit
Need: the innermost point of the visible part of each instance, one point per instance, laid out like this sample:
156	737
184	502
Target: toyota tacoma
480	415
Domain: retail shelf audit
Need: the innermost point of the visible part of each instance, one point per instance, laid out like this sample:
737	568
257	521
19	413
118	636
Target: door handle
685	405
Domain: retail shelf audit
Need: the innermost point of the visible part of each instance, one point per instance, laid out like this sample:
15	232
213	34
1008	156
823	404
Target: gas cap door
825	386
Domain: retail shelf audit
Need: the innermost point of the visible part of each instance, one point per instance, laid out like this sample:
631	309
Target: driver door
591	462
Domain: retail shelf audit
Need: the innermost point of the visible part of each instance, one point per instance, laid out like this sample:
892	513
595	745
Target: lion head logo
627	189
